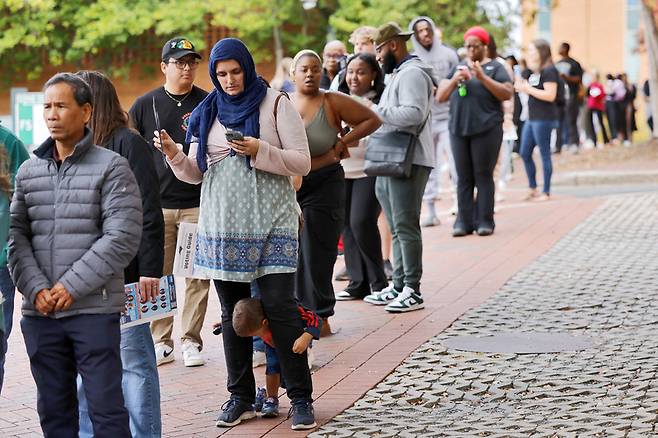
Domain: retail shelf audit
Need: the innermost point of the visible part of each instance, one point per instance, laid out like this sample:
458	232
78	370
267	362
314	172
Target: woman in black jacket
141	386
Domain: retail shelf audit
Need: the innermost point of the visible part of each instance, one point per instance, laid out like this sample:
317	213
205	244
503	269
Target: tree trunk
651	43
278	46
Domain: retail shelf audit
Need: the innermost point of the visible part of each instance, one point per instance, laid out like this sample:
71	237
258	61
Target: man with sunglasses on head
169	107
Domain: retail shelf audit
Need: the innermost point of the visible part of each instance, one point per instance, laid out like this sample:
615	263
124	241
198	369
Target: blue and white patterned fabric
248	224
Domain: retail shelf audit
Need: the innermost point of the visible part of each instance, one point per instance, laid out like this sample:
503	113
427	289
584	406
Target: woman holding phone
476	89
542	90
248	221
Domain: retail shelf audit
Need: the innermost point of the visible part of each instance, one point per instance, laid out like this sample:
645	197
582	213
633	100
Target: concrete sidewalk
370	343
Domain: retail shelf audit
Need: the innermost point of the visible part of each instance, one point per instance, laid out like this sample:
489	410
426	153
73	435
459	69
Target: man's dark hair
248	316
566	46
81	90
420	21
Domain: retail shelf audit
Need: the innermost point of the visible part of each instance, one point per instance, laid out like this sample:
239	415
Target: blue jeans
8	291
140	382
537	133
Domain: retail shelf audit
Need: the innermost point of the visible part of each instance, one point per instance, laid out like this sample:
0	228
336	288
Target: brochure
161	306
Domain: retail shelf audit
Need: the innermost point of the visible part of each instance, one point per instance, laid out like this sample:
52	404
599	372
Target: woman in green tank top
321	195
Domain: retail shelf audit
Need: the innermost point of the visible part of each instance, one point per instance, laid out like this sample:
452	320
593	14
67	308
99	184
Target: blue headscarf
239	112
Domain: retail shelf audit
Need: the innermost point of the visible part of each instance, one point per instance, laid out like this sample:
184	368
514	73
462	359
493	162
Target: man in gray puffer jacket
76	223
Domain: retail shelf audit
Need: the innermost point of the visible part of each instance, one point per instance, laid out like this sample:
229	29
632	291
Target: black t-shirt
174	194
479	110
571	67
540	109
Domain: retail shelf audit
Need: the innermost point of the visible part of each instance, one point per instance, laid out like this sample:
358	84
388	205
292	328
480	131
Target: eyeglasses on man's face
192	64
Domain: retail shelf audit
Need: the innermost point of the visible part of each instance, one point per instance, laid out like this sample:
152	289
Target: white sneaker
383	297
192	354
345	296
627	143
429	221
258	359
311	357
406	301
163	353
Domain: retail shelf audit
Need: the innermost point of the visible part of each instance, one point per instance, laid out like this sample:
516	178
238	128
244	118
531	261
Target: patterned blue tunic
248	223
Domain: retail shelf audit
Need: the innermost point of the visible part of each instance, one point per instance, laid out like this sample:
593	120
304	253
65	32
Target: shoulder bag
391	153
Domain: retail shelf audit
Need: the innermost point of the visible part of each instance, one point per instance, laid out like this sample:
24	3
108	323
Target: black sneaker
302	414
233	412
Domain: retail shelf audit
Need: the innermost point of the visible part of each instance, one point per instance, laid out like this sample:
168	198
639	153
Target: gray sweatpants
401	200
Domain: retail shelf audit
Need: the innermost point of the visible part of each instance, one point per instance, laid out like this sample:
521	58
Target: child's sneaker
407	301
383	297
303	416
270	407
261	394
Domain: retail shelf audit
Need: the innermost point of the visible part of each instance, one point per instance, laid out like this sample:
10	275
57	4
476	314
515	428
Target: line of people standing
272	180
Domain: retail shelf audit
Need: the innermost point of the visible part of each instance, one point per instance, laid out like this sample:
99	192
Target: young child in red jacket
249	320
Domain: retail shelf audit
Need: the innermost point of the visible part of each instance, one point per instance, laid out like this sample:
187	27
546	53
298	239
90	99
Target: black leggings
322	200
276	294
363	253
475	158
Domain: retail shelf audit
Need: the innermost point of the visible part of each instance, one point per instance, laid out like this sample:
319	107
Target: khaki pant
196	291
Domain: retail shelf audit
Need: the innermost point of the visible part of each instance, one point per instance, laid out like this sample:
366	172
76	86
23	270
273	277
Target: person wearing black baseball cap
169	107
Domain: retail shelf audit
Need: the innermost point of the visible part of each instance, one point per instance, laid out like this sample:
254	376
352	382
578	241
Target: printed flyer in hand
161	306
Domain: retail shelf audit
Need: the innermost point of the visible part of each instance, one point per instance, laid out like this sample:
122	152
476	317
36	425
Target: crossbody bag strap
429	109
276	113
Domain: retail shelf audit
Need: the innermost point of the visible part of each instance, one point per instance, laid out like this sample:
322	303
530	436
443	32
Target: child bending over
249	320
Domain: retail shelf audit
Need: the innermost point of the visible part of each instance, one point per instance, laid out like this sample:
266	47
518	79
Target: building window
544	19
631	55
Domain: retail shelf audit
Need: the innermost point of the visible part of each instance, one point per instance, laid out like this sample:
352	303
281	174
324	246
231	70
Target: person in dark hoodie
141	385
428	46
405	105
476	89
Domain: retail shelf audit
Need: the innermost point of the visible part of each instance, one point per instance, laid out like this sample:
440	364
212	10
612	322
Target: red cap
478	32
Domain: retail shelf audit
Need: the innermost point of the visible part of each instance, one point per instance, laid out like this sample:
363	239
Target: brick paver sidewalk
598	282
370	343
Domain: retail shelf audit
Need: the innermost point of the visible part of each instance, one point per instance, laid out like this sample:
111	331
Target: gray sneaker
383	297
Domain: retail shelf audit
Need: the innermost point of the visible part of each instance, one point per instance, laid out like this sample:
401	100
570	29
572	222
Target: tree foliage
453	17
36	33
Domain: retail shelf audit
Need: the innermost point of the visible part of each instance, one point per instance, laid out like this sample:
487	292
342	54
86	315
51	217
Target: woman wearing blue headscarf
248	219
